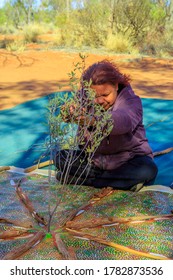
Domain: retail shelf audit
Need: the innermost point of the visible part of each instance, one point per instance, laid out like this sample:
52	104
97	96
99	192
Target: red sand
34	73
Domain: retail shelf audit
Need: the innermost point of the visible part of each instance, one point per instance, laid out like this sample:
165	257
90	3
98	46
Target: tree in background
142	24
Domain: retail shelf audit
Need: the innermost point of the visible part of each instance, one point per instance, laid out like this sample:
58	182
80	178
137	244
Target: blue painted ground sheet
23	131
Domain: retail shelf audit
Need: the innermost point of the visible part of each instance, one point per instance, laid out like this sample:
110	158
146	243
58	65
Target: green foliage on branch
68	131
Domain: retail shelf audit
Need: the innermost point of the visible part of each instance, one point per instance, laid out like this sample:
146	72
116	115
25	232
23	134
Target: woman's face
106	95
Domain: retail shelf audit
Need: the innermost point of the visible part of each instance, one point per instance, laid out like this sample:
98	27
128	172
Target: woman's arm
127	115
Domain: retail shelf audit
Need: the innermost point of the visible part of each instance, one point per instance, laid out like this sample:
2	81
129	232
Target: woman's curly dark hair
104	72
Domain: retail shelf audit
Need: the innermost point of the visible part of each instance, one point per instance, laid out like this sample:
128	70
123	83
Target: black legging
140	169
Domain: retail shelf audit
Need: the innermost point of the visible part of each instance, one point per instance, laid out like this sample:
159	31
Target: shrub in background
119	43
7	29
31	32
16	46
5	42
157	45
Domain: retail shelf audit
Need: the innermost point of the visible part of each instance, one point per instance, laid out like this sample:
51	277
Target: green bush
158	45
58	38
166	44
76	35
120	43
16	46
31	32
7	29
5	42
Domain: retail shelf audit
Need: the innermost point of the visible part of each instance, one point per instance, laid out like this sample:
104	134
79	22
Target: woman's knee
148	172
152	173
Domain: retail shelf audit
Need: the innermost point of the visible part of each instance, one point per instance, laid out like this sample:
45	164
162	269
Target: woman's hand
67	112
77	115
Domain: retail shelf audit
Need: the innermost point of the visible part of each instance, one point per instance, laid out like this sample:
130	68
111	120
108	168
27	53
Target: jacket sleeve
127	115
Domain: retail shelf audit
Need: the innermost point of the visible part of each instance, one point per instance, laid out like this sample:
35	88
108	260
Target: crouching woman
123	159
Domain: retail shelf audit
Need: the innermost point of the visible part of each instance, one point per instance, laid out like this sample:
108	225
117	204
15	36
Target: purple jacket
127	138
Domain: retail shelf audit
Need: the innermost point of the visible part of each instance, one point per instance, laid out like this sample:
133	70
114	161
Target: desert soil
35	73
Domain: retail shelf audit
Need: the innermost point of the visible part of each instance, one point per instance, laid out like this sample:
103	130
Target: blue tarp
23	131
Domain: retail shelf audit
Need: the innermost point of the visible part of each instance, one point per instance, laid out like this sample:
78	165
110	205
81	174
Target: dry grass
120	43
